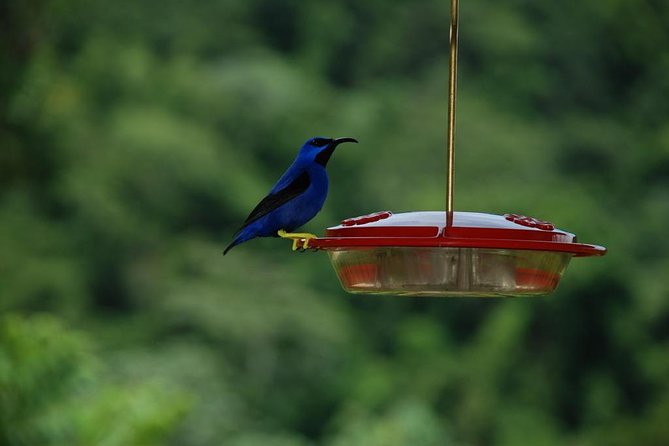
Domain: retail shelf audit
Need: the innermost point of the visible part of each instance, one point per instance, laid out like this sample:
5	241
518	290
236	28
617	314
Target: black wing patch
273	201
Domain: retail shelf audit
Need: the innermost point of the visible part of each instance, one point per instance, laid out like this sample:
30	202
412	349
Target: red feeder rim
466	230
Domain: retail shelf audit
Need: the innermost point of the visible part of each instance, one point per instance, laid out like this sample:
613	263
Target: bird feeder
472	254
449	253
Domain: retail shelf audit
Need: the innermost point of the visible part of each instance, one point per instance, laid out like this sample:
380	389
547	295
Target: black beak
338	141
324	156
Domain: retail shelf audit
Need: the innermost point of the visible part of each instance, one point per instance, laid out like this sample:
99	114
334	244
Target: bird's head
319	149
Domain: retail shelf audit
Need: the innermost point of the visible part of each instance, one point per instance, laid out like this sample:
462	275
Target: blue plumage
298	195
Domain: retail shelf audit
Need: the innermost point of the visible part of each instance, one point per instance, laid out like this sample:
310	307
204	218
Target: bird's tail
234	243
240	237
229	247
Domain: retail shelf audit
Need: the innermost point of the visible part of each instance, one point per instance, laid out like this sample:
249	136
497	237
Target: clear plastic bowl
446	271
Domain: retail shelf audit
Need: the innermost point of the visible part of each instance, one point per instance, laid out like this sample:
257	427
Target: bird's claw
296	237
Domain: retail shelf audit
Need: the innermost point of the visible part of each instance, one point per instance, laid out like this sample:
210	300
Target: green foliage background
135	136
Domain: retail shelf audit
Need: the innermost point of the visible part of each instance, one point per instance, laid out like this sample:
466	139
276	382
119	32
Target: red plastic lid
467	230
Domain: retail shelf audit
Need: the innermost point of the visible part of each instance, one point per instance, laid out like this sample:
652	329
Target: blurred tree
52	392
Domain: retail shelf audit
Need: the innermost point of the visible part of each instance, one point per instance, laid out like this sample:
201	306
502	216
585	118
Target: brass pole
452	84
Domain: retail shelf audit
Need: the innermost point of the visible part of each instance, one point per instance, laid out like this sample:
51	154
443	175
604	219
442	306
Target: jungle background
136	136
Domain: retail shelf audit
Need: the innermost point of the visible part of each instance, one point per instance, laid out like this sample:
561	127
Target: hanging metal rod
452	91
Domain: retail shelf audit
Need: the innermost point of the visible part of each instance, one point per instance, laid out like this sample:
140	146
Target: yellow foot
296	237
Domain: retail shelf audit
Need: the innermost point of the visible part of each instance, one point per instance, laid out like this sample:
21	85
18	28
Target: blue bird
295	199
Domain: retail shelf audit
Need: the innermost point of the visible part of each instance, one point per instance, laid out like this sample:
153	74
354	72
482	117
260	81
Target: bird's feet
296	237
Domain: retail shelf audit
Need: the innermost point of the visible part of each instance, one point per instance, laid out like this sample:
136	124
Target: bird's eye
319	142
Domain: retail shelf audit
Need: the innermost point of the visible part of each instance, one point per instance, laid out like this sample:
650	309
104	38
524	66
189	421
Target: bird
296	197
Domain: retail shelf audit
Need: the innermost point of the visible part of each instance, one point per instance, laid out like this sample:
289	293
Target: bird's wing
275	199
